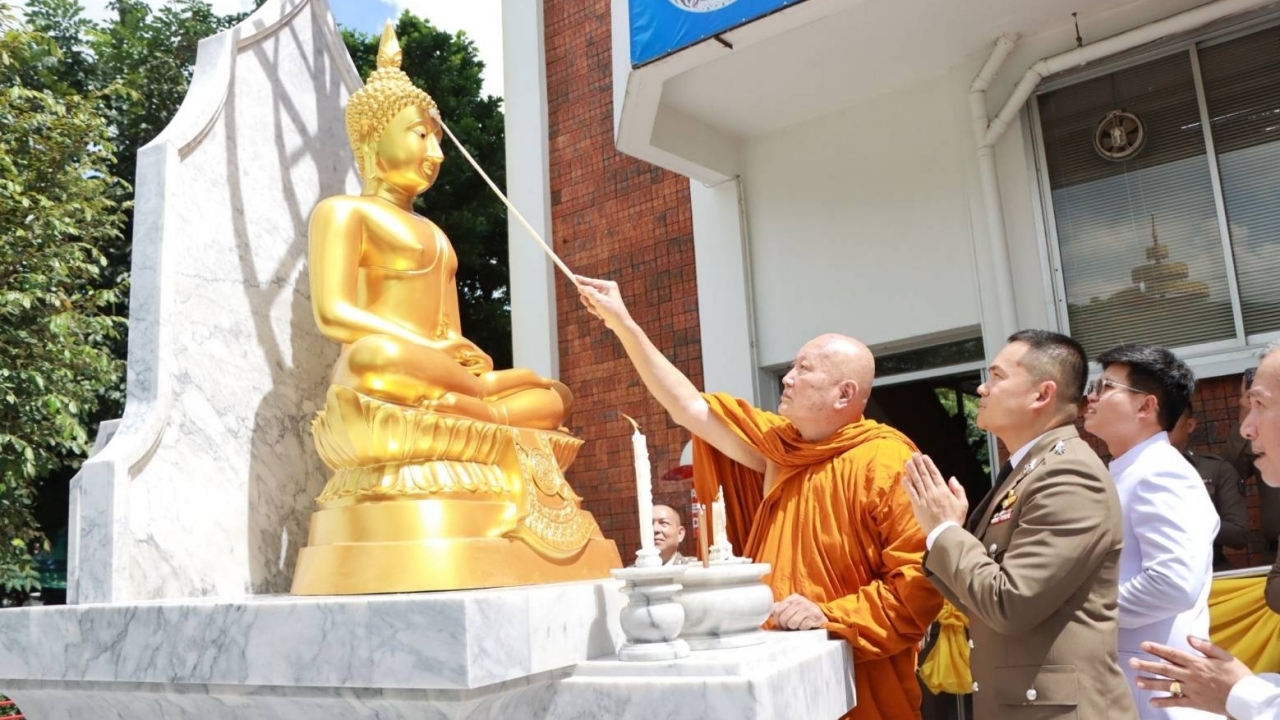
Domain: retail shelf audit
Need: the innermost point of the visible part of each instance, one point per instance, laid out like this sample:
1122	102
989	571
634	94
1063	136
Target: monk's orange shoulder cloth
838	529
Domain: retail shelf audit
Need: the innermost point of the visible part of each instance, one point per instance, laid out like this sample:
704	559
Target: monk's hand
1203	680
796	612
934	499
602	299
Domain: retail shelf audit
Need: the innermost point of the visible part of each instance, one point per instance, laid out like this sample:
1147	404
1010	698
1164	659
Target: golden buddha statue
448	473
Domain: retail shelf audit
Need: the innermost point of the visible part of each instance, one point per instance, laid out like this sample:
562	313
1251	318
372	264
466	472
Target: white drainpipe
988	130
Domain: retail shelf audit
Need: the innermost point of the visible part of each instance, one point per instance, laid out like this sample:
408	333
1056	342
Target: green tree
59	215
448	67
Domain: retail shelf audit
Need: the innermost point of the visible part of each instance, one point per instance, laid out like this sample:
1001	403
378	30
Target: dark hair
1158	371
1054	356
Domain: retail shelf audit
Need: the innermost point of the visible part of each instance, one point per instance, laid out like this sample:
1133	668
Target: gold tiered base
422	501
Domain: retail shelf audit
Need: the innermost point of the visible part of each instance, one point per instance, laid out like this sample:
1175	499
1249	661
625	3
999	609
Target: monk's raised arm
675	392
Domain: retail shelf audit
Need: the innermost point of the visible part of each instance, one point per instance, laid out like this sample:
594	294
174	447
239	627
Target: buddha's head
393	126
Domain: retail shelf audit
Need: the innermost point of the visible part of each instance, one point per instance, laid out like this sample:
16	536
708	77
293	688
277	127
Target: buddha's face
408	154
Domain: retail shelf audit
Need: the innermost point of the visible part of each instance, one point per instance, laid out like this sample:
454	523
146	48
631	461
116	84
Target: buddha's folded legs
383	367
497	384
539	408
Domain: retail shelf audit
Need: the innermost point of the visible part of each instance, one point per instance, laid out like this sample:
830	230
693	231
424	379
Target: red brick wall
618	218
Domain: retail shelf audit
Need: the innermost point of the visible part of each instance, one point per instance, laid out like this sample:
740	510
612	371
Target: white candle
644	486
719	523
721	550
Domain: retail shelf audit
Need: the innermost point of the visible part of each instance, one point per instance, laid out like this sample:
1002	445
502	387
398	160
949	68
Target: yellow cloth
947	668
838	529
1239	620
1241	623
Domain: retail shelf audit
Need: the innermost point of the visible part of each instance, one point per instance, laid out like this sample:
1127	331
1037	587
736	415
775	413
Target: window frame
1210	359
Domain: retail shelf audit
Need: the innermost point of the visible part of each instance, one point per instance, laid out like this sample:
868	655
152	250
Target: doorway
938	414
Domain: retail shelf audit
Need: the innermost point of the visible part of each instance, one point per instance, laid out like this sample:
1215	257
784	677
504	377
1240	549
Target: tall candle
703	530
719	527
644	485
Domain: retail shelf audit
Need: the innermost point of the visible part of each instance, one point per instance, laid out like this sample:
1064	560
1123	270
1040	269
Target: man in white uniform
1166	565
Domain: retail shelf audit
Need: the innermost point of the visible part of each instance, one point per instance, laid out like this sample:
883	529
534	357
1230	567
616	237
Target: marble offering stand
724	604
529	652
652	620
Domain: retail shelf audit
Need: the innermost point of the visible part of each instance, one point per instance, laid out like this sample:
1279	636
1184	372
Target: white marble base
449	640
793	675
654	651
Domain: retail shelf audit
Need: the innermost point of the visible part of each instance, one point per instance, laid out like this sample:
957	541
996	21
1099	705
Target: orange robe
839	530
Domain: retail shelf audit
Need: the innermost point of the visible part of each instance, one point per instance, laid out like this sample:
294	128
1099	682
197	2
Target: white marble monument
206	486
186	521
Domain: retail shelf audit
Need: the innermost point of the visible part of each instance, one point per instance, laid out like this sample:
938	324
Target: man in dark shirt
1225	487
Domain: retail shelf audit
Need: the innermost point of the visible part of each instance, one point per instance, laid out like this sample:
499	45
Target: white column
725	312
534	334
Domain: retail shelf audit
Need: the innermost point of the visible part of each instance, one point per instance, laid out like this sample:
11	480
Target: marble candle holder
724	605
652	619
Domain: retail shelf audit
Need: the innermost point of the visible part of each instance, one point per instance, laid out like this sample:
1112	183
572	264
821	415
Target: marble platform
535	652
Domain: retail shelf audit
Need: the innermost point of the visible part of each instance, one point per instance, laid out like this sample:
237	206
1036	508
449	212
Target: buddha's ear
369	162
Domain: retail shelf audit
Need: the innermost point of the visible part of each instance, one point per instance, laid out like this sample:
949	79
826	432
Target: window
1152	246
1242	91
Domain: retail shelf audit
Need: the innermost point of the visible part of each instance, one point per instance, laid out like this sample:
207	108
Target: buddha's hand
602	299
468	355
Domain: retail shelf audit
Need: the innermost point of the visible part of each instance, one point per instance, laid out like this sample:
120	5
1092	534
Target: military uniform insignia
1005	513
1009	499
1060	448
1026	469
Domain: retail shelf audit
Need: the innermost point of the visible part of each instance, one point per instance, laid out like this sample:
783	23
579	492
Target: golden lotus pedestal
423	501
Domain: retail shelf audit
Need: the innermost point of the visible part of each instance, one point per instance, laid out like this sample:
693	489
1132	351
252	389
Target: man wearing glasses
1166	564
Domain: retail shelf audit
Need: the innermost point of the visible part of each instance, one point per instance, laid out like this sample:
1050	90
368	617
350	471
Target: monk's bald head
848	359
828	386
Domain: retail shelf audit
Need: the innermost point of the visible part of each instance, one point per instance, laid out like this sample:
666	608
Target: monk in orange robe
819	487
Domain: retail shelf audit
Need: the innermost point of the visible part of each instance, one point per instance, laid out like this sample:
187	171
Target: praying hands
934	499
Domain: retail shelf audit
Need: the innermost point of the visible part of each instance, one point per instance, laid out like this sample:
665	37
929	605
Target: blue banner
660	27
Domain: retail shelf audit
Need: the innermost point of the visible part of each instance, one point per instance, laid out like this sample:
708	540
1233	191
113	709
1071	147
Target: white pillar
534	333
725	311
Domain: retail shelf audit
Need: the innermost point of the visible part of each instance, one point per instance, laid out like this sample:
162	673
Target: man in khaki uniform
1225	488
1036	568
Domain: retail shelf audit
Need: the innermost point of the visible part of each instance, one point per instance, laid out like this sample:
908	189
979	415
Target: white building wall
724	299
869	221
859	223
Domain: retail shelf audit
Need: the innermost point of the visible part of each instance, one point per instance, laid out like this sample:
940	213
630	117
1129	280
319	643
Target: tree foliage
447	66
60	212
